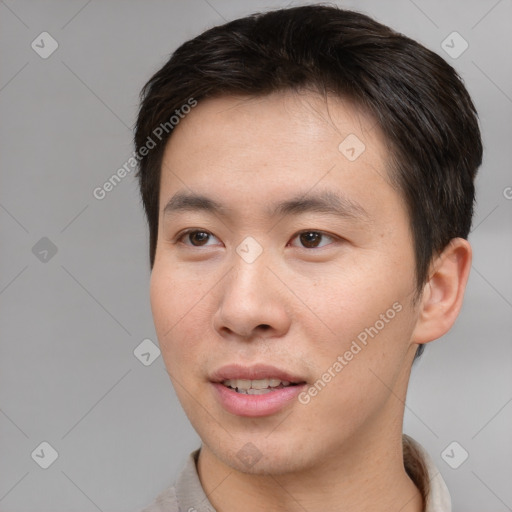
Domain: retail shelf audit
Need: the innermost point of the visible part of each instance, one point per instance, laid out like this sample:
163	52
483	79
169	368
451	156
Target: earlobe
443	293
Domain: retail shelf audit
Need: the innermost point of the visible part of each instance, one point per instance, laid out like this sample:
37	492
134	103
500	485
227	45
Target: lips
254	372
254	391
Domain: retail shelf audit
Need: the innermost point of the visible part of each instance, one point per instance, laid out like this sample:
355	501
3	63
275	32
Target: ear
442	295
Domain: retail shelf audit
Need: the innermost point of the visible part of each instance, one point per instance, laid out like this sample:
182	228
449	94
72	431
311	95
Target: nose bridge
250	295
250	275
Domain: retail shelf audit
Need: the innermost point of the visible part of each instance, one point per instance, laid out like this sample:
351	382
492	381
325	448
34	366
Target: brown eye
196	238
312	239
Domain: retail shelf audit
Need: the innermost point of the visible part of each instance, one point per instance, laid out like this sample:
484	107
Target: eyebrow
327	202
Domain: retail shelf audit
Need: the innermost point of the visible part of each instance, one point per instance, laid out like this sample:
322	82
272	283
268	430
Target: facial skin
297	307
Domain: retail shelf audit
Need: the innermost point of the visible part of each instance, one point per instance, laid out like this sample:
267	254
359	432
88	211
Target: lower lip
256	405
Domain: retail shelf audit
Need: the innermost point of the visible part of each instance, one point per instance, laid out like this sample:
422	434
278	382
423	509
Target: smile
257	386
255	391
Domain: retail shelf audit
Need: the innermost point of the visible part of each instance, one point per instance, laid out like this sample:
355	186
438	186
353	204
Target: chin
260	456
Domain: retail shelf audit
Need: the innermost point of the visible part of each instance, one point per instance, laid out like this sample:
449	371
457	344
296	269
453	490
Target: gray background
70	323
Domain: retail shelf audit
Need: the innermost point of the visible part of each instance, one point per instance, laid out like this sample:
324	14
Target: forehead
300	119
238	146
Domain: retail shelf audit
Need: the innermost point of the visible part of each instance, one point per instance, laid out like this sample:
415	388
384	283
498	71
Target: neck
369	476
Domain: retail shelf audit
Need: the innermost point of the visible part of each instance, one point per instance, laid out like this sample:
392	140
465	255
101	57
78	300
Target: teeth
258	391
255	387
241	384
262	383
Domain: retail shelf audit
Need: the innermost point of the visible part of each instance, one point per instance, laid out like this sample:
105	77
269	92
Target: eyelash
187	232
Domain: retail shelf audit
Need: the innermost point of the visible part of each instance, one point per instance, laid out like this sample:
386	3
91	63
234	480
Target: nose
252	302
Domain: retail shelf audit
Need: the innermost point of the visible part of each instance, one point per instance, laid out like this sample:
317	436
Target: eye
313	239
196	238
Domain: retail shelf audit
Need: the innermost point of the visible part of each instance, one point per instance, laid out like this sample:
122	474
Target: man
307	176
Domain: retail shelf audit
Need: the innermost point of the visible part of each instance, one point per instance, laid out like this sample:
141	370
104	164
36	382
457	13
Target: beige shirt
187	495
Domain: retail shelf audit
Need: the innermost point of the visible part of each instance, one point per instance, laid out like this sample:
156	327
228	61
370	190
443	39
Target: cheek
364	370
353	298
370	321
164	305
178	305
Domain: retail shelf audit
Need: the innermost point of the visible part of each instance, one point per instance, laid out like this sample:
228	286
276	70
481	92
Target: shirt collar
438	499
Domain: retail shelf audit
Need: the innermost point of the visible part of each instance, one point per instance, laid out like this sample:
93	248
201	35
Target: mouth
258	386
256	377
255	391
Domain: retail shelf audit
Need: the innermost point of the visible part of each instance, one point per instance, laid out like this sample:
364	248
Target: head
309	192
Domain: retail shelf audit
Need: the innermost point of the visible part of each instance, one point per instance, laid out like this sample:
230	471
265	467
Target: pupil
200	237
310	239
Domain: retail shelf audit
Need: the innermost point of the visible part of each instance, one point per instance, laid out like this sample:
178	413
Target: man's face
295	263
